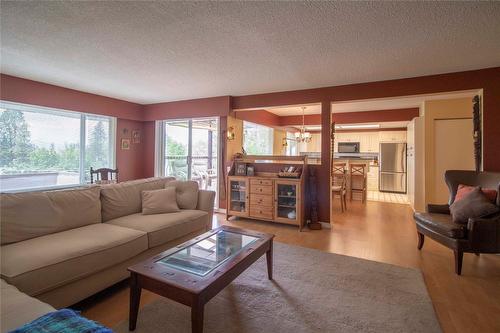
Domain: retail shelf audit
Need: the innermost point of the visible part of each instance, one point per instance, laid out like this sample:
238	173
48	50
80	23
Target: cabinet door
401	136
238	196
287	202
372	179
396	136
364	142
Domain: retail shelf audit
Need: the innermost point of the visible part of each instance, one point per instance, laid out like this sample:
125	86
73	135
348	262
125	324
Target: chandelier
303	135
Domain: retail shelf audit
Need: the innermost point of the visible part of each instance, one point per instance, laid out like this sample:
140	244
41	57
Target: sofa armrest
206	201
484	234
438	209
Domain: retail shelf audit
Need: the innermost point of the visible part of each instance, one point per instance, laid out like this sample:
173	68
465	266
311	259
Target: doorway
188	150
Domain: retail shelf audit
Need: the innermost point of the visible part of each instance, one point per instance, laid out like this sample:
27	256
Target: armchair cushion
442	224
475	204
464	190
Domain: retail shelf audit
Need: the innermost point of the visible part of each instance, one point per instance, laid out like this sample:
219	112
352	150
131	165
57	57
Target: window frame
160	142
23	107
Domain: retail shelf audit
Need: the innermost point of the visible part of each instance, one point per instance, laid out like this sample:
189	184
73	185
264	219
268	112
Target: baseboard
220	210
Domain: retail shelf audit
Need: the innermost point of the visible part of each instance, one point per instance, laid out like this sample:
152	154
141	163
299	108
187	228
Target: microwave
348	147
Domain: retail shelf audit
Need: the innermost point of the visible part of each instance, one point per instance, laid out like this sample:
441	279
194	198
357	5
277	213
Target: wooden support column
324	171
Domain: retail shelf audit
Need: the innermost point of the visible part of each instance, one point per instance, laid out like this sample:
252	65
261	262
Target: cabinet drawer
261	212
261	189
261	199
266	182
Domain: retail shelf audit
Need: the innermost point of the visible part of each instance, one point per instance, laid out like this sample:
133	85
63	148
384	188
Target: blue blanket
62	321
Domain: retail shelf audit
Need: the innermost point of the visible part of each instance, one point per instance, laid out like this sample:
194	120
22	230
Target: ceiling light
302	135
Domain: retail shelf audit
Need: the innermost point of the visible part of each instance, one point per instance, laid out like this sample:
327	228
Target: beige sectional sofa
17	308
63	246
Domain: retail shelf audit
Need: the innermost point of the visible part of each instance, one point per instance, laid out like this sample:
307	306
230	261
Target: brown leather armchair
480	235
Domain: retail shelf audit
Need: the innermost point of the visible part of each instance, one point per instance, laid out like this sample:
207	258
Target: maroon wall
19	90
203	107
354	117
262	117
310	119
130	162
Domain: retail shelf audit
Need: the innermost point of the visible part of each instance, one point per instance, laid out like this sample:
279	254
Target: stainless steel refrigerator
392	168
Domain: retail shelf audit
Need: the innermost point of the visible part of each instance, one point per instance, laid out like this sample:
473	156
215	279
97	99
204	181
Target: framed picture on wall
125	144
240	169
136	136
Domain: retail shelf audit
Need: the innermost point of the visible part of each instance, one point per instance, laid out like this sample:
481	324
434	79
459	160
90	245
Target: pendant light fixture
302	135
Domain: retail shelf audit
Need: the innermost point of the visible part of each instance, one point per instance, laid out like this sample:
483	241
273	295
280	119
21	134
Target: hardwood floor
378	231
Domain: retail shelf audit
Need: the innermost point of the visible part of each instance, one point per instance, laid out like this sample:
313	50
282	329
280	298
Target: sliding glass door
188	149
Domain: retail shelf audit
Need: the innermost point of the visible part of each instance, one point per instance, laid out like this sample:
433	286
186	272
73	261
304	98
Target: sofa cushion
442	224
475	204
44	263
33	214
159	201
17	308
126	198
187	193
162	228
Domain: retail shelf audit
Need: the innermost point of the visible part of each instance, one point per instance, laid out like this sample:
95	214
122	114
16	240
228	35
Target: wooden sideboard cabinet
278	200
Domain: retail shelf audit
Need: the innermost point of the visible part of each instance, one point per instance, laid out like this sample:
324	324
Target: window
257	139
43	147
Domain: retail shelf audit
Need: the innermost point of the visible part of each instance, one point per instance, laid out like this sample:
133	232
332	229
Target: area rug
312	291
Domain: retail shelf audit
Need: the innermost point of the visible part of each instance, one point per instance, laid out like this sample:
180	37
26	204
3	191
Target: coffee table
194	272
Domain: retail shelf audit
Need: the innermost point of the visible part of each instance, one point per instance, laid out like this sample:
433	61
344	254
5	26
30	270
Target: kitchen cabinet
368	141
372	178
392	136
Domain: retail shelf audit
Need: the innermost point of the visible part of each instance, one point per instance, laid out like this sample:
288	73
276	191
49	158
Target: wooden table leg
269	259
135	299
197	310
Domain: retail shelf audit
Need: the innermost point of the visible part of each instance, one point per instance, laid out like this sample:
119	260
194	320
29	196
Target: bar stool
339	168
358	180
339	188
339	183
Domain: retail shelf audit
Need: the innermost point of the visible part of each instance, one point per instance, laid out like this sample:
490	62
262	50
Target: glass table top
208	253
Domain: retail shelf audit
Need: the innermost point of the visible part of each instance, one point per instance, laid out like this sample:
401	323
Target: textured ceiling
150	52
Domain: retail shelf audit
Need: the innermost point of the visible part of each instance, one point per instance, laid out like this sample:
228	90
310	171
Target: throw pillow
186	193
463	190
159	201
475	204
